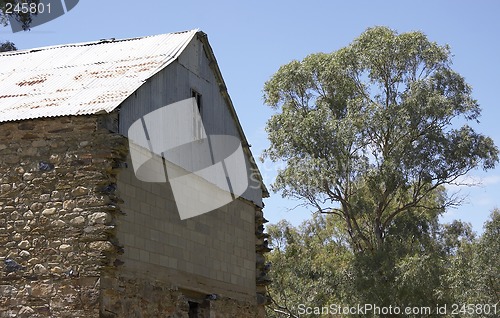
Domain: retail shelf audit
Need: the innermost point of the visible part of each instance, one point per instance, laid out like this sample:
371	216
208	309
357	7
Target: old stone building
80	234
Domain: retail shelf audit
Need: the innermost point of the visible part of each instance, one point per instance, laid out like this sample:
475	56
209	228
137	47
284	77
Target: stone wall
69	246
132	296
56	215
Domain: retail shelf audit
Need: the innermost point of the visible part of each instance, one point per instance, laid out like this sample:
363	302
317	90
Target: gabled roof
82	78
93	77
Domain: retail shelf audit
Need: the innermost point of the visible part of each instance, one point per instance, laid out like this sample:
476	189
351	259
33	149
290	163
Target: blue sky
251	39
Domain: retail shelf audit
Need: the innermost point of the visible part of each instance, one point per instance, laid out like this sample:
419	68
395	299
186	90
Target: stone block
79	191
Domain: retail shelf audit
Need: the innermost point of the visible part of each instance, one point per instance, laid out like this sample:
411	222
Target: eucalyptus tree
371	131
310	266
489	262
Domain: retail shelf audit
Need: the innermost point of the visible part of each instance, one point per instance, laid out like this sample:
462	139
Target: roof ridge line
89	43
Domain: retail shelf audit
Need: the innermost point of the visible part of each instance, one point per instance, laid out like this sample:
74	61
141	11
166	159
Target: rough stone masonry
55	215
59	254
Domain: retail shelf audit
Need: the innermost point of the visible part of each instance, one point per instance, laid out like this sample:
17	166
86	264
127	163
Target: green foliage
310	265
368	139
422	263
7	46
488	260
367	133
24	18
408	269
474	274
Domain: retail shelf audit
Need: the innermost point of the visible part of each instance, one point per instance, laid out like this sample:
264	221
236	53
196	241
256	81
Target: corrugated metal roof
82	78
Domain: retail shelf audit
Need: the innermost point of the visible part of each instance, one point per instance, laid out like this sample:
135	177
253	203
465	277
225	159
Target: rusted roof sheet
82	78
